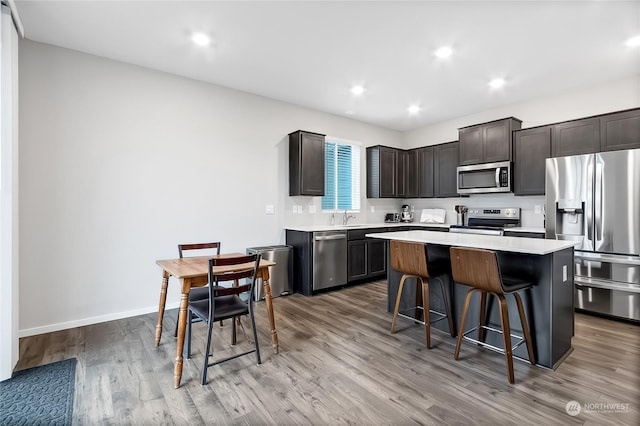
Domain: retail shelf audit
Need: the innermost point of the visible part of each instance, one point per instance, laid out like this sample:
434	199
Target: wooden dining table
192	272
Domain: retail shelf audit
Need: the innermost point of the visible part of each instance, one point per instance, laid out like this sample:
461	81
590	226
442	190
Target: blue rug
40	395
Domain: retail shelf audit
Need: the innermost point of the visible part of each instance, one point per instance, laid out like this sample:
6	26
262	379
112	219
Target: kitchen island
548	264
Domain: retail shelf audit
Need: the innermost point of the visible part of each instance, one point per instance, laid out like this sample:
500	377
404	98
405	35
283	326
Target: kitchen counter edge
535	246
319	228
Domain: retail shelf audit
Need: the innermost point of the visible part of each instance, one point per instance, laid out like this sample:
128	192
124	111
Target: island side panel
562	314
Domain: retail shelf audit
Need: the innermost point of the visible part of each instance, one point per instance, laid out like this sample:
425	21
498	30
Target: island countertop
536	246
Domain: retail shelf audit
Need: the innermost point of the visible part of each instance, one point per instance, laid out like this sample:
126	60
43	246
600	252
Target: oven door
484	178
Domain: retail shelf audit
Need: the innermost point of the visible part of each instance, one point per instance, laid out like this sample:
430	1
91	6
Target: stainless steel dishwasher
329	259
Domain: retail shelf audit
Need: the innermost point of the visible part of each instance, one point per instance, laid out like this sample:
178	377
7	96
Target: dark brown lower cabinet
366	257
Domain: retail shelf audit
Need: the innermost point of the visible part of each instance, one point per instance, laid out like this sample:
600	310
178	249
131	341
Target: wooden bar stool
480	269
411	260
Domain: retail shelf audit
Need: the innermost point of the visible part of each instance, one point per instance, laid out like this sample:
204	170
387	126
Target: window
341	175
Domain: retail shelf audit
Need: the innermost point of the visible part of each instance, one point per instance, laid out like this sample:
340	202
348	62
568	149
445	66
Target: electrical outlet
373	209
269	209
537	209
300	210
295	209
312	208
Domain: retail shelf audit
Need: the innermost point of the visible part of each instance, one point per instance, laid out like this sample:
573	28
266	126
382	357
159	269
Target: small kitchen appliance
407	213
392	217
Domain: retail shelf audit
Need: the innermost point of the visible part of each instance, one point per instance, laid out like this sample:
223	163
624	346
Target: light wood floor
338	364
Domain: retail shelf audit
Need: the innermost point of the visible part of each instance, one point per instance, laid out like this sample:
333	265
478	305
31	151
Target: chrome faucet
345	218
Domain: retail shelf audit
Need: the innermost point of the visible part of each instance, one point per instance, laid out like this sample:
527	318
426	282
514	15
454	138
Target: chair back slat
248	266
477	268
409	258
199	247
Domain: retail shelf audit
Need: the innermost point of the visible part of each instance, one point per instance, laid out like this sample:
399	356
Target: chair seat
199	293
225	307
511	284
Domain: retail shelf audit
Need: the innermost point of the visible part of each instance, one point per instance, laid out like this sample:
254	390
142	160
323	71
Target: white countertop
490	242
522	229
317	228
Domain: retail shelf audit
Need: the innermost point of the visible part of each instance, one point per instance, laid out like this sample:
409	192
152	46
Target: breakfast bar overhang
548	264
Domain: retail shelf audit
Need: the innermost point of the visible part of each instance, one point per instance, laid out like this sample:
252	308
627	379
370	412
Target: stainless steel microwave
484	178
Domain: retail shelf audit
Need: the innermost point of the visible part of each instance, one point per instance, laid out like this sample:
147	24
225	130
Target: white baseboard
92	320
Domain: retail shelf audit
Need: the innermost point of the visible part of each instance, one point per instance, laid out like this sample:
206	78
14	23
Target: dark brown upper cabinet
620	130
487	142
445	159
425	172
531	148
381	172
412	174
402	167
575	137
306	163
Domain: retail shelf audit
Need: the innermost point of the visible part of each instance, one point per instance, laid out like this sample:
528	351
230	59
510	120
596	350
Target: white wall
9	217
119	164
609	97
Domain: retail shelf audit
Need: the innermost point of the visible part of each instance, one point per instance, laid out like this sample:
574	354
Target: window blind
342	176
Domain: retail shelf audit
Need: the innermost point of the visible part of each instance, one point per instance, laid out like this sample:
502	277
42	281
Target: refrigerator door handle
588	207
598	205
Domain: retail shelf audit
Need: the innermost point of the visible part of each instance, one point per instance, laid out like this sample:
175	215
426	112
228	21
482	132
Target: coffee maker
407	213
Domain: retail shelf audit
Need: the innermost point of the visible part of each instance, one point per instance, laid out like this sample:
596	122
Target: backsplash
312	214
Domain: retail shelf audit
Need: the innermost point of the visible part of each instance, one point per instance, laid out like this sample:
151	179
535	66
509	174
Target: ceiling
312	53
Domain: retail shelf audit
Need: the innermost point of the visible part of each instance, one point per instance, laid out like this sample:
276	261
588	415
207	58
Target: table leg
163	300
269	301
182	326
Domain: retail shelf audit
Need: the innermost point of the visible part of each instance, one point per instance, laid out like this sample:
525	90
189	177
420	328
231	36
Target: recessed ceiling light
201	39
413	109
443	52
357	90
633	41
496	83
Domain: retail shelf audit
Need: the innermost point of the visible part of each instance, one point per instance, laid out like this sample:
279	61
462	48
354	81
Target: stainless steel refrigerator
594	200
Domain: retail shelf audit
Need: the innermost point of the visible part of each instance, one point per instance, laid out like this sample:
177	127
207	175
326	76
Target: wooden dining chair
226	302
197	249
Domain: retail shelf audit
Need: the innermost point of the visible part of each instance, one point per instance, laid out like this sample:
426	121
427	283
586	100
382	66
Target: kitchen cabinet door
357	256
306	163
471	145
401	173
575	137
531	148
377	257
381	172
425	172
412	174
620	130
445	164
497	141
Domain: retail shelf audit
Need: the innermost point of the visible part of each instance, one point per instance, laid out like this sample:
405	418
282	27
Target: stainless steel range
488	221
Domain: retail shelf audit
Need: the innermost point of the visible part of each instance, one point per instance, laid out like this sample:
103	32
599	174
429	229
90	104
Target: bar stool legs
423	284
505	324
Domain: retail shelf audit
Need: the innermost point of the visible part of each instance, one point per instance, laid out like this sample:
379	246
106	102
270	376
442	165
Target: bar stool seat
411	260
480	269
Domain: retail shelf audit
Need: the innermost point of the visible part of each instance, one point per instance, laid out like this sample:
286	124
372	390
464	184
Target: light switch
295	209
537	209
269	209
